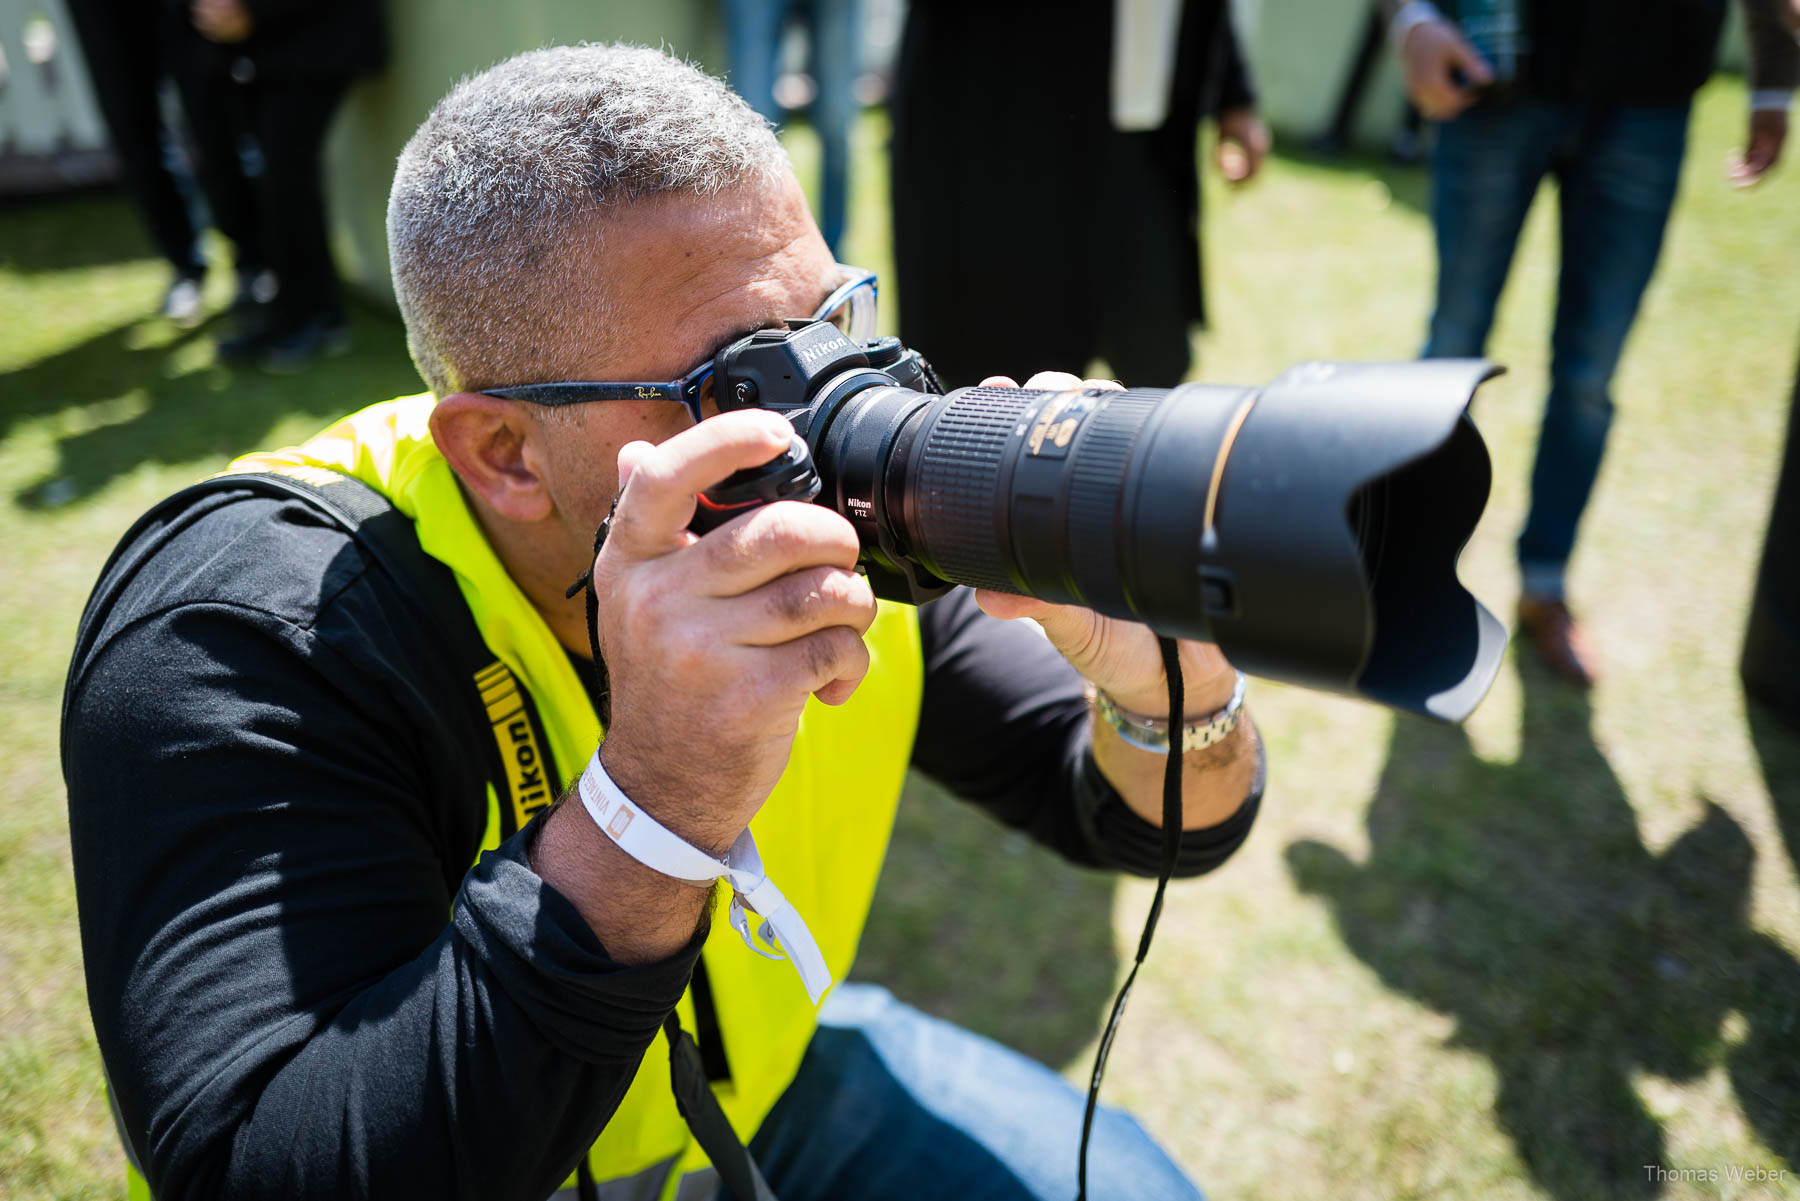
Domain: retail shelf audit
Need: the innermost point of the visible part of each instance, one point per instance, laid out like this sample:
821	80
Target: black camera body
808	373
1309	527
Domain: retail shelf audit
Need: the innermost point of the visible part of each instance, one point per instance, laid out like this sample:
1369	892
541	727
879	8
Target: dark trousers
892	1104
753	36
259	144
1618	169
1771	662
119	41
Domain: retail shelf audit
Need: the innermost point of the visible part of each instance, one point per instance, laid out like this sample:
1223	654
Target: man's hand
1123	658
1243	144
224	21
1432	54
1768	133
712	645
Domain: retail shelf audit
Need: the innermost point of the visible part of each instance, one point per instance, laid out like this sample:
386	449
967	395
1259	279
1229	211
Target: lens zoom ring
957	504
1097	476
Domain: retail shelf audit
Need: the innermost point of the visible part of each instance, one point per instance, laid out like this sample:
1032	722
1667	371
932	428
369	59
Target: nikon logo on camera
809	355
1056	424
516	736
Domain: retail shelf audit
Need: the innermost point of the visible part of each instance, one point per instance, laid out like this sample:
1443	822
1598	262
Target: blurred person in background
1596	94
753	31
119	41
977	116
260	81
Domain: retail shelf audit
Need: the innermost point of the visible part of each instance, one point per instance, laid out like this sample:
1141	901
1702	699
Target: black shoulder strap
520	763
701	1110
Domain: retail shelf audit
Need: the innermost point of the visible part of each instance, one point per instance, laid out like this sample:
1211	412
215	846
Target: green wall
1300	53
436	42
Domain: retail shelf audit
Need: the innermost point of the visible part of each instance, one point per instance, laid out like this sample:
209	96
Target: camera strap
697	1103
688	1075
1171	849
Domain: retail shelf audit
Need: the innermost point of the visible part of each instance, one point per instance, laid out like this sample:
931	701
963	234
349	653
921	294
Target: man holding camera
280	768
1597	94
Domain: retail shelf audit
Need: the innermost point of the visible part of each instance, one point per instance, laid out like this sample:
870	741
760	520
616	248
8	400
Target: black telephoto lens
1310	527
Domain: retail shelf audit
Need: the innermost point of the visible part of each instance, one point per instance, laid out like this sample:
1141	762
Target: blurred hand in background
1768	133
1244	142
1442	69
221	20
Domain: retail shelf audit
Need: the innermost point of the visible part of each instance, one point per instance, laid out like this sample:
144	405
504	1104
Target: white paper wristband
641	836
662	850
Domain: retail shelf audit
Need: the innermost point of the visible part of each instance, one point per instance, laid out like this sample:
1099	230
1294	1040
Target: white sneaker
255	289
182	302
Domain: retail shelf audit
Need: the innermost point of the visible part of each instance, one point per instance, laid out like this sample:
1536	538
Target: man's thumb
630	455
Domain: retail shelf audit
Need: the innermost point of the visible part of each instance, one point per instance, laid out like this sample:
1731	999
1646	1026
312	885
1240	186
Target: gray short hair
509	176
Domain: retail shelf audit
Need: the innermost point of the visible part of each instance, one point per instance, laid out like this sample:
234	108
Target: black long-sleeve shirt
299	984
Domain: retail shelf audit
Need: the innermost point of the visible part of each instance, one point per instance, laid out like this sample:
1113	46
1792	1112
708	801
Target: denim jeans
1617	168
753	34
891	1104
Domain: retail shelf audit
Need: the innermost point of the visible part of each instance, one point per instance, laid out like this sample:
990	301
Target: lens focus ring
956	511
1096	478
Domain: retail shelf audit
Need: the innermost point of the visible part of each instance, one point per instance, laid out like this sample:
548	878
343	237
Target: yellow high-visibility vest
822	833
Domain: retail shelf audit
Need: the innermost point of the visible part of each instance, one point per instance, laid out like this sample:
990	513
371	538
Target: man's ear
491	445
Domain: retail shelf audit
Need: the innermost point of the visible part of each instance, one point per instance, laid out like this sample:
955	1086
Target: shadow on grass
1778	750
135	395
1775	1107
1519	899
146	392
77	229
991	931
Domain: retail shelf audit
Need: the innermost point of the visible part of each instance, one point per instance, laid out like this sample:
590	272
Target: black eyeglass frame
689	388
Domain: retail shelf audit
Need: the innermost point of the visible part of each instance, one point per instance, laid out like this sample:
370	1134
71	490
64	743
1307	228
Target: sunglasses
850	307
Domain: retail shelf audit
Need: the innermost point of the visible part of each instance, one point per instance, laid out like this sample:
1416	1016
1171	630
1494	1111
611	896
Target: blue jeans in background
1617	168
892	1105
753	35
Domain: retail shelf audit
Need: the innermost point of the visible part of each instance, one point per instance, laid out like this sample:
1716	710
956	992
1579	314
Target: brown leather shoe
1558	639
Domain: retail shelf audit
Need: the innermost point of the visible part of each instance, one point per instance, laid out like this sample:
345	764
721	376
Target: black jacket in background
1618	51
289	39
1030	234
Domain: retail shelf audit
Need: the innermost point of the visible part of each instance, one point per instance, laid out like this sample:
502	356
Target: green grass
1517	960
